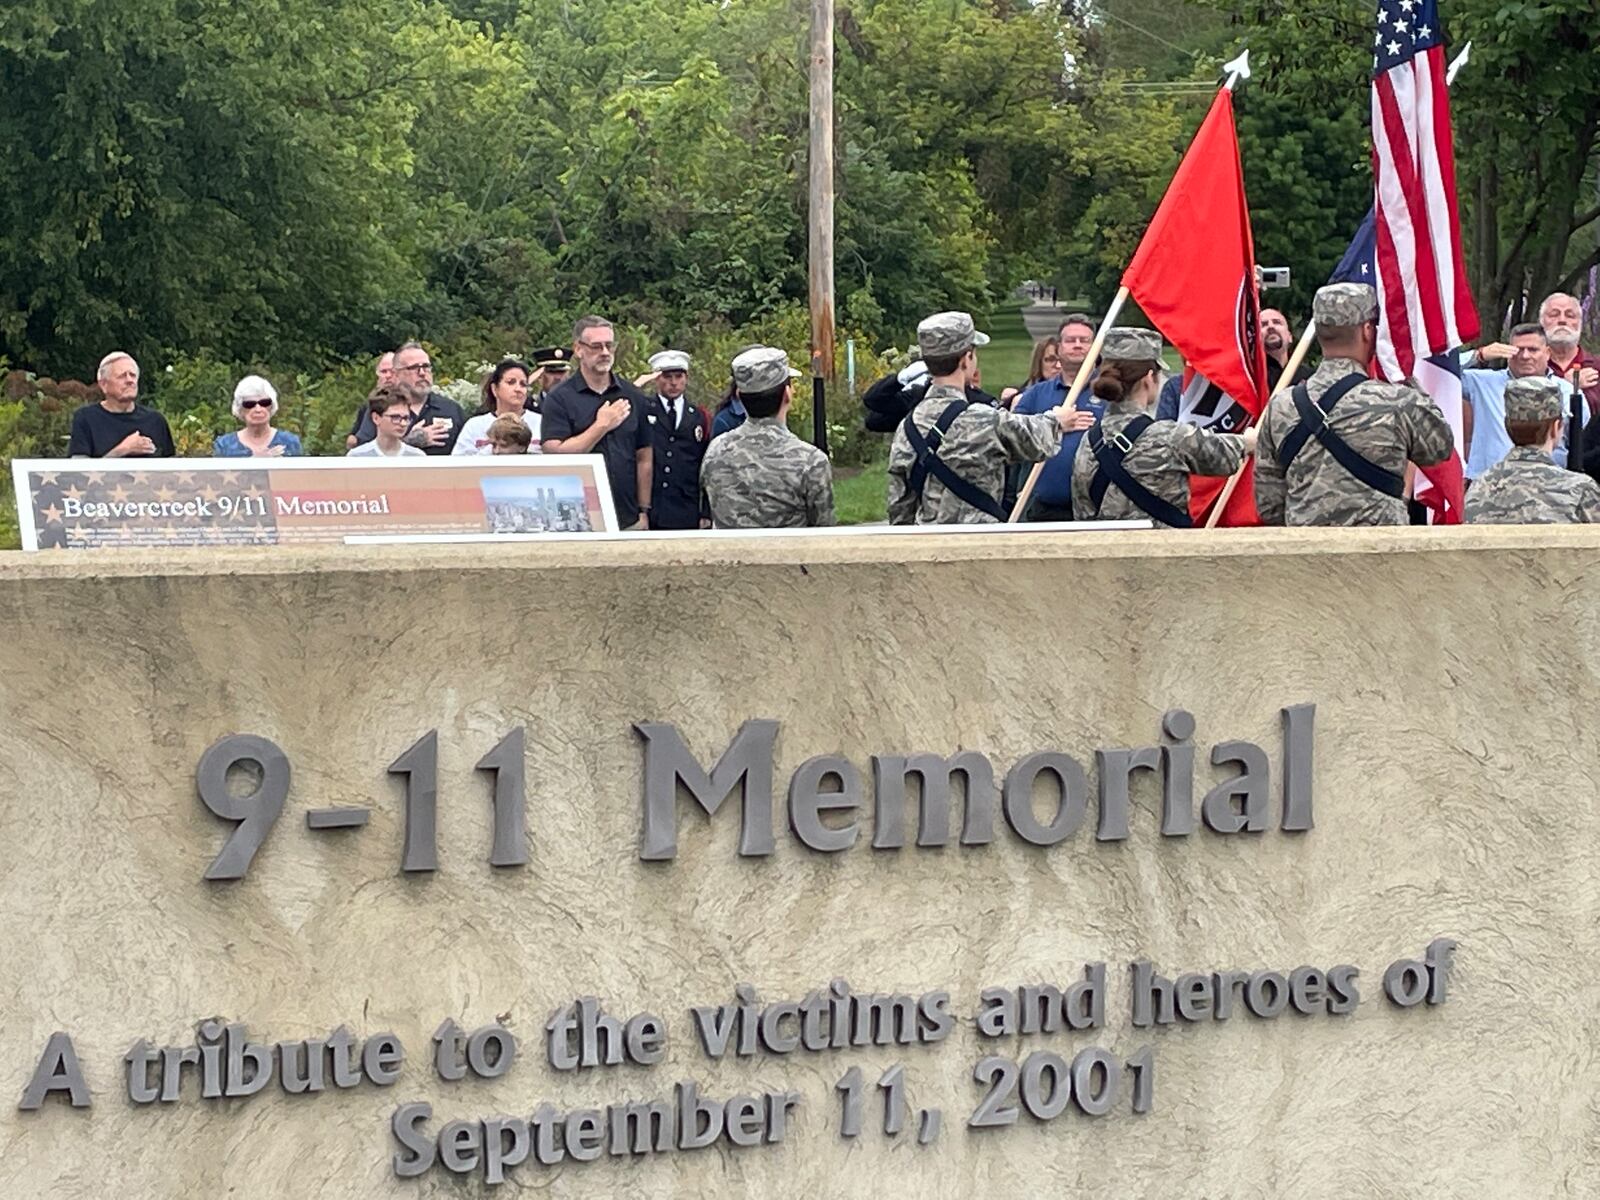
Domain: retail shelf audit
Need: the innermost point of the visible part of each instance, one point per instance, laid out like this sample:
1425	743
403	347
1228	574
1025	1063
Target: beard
1562	338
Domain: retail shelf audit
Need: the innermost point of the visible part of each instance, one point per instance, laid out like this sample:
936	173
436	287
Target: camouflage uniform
1165	455
980	444
760	476
1389	424
1526	487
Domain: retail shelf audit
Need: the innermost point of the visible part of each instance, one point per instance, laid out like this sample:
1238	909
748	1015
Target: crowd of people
1333	447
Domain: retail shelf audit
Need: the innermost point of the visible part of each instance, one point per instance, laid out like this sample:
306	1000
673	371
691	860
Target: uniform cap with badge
669	360
1344	305
1534	399
762	369
947	334
553	358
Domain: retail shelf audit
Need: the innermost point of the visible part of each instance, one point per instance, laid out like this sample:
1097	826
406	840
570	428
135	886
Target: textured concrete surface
1456	773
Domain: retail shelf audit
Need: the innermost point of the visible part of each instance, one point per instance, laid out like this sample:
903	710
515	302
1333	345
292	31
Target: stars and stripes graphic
1426	303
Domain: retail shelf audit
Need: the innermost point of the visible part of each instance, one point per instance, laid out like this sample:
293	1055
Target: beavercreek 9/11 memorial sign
925	909
82	504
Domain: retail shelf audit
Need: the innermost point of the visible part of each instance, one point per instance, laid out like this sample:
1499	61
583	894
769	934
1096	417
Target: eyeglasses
255	404
415	368
396	416
601	347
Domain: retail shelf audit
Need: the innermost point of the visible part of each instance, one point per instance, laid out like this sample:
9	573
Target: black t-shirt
96	431
571	407
1275	373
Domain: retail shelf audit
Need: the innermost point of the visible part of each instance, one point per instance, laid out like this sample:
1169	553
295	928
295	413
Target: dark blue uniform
675	500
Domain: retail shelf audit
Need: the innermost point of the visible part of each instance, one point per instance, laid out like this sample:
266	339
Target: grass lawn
861	495
1005	360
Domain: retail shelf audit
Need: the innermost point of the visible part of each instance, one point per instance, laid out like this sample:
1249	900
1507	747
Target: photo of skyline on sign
538	504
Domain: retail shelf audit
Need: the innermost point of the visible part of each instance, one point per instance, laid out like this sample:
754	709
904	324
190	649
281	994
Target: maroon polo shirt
1582	359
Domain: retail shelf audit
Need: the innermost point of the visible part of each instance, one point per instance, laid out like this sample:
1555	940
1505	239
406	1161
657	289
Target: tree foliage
293	181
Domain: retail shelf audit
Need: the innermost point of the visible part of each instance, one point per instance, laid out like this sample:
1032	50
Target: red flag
1194	275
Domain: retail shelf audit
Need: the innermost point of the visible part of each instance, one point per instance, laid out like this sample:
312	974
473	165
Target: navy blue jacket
675	500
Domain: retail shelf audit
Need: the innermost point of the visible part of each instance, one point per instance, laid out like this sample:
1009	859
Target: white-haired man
1562	319
119	426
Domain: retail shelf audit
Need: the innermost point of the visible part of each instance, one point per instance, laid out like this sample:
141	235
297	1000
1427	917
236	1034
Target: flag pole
1078	381
1575	427
1285	381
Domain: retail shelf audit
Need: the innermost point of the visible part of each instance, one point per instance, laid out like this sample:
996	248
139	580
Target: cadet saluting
948	461
1130	465
1333	450
1526	487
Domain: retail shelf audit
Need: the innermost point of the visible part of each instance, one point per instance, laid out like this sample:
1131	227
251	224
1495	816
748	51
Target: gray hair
114	356
254	387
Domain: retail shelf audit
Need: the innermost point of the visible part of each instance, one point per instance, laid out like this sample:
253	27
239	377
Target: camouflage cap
669	360
1536	398
1344	305
762	369
947	333
1124	343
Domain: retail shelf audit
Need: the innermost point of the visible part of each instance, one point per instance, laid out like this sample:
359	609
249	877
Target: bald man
1278	340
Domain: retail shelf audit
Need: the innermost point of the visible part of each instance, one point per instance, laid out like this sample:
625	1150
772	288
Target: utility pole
821	213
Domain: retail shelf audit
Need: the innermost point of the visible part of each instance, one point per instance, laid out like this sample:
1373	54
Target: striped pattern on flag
1425	301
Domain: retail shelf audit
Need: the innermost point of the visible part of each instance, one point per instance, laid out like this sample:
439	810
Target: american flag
1426	305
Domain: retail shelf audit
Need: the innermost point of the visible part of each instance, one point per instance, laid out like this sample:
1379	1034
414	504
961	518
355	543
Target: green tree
198	175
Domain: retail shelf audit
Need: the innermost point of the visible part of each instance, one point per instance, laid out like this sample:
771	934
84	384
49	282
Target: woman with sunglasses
255	402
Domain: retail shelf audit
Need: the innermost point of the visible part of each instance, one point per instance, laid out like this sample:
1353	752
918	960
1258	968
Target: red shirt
1582	359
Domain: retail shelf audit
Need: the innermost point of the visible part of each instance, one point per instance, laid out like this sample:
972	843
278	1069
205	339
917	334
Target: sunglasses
255	404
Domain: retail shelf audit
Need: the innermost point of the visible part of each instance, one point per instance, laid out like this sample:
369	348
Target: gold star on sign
164	492
52	515
72	493
47	478
96	477
119	494
185	478
208	492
